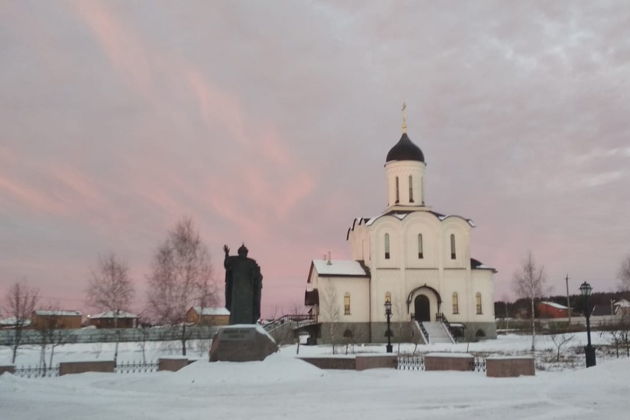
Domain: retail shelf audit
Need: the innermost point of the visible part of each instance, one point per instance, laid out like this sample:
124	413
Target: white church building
410	255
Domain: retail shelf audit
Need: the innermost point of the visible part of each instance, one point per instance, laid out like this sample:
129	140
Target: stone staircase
437	332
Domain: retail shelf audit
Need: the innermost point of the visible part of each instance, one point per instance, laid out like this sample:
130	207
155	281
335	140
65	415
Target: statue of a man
243	284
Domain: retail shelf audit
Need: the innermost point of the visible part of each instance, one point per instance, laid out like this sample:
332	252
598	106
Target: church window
397	191
346	304
453	254
387	246
455	303
420	247
478	303
410	189
388	297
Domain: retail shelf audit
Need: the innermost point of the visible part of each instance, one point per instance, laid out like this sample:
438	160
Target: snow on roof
57	313
554	305
110	314
211	310
622	303
339	268
10	321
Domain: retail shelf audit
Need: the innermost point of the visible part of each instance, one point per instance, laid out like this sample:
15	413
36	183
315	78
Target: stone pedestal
449	361
66	368
173	364
509	367
7	368
241	343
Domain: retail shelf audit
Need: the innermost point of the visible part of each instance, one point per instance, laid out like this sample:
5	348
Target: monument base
242	343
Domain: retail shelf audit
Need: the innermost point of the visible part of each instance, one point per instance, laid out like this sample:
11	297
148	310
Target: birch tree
329	306
181	277
111	289
529	283
20	302
624	274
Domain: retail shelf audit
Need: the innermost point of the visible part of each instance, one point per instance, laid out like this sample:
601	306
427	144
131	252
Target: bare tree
51	333
624	274
399	308
181	277
529	283
330	309
20	302
559	337
111	289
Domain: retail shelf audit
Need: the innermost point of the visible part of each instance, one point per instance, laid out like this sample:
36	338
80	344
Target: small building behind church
411	255
109	319
56	319
208	316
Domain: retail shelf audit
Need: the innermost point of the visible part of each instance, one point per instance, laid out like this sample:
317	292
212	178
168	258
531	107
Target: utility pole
568	300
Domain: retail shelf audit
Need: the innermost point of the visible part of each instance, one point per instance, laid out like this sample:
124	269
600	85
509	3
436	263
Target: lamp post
388	333
589	351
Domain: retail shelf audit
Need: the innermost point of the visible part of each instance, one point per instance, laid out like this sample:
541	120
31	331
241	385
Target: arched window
388	297
410	189
478	303
455	300
346	304
420	247
453	254
397	191
387	246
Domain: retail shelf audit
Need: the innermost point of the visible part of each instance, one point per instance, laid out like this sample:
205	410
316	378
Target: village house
109	319
208	316
57	319
547	309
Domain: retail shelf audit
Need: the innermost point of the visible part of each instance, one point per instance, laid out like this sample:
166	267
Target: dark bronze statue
243	283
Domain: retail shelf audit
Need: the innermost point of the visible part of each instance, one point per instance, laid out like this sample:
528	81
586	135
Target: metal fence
121	368
136	367
417	363
109	335
36	372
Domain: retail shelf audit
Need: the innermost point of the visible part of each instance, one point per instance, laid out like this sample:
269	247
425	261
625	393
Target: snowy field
283	387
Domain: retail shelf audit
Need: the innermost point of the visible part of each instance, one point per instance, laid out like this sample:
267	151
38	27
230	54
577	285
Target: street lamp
388	333
589	351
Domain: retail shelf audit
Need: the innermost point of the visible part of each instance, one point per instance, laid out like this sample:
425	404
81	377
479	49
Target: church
415	258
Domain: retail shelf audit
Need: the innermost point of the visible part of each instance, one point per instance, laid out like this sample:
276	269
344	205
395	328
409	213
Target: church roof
339	268
405	149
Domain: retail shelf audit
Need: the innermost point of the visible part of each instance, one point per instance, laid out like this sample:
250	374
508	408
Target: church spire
404	117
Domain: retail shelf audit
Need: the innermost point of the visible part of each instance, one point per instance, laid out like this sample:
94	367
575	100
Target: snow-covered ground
282	387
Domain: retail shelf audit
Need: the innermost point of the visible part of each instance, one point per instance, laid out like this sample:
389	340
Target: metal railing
110	335
136	367
417	363
36	372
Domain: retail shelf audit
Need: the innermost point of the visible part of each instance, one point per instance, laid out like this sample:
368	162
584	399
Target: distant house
108	320
552	310
9	323
622	307
57	319
208	315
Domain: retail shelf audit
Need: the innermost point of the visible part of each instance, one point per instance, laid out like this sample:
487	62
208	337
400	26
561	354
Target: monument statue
243	283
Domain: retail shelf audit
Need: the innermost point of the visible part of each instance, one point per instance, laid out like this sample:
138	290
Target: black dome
405	150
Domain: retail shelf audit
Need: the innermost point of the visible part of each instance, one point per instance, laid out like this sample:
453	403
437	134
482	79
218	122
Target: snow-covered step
438	332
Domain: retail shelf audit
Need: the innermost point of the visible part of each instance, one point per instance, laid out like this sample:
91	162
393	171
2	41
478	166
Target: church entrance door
422	308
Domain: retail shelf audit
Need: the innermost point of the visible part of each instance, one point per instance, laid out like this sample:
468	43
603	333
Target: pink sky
268	123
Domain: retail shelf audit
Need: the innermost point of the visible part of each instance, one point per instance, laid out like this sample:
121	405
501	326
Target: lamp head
585	289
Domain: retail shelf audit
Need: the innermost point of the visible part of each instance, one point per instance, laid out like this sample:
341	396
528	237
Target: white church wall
402	170
386	225
482	282
429	226
461	229
336	288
